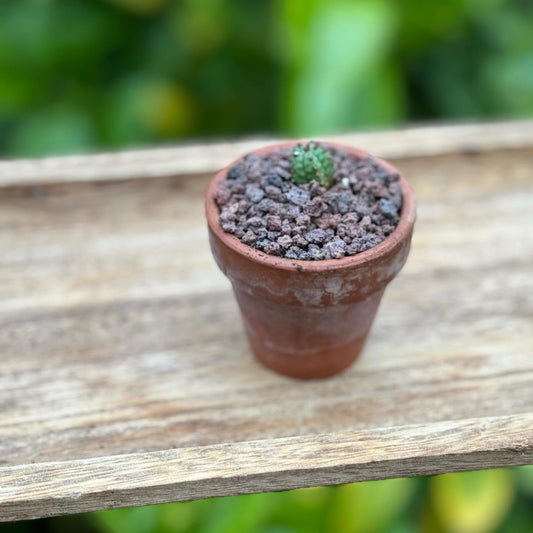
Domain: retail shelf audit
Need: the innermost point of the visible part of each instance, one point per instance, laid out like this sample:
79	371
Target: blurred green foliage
80	75
487	501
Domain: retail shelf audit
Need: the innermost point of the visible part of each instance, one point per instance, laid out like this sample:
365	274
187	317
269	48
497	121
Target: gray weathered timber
205	158
259	466
125	378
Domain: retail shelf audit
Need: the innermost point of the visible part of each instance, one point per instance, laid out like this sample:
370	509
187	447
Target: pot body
309	319
304	341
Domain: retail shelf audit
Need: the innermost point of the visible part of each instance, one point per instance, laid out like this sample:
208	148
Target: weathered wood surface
257	466
201	158
125	378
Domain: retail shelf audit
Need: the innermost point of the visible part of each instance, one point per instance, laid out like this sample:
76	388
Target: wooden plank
121	345
207	158
259	466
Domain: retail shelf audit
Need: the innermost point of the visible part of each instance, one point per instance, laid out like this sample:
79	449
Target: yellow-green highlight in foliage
370	507
472	502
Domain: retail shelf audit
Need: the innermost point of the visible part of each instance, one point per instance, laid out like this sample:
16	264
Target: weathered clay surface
309	319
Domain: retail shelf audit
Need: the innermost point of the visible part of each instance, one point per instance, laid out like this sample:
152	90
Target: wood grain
259	466
126	379
208	158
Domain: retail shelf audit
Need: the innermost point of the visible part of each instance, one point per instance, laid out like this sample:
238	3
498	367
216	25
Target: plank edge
208	157
58	488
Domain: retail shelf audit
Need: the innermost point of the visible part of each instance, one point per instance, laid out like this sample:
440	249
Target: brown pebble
221	194
300	240
316	236
228	226
286	227
314	208
303	219
249	238
255	222
273	192
284	241
272	248
273	223
328	221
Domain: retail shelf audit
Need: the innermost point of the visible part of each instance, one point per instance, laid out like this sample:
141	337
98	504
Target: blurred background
86	75
498	501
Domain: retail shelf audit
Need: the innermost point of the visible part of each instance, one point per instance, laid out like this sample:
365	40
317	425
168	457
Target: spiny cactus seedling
311	162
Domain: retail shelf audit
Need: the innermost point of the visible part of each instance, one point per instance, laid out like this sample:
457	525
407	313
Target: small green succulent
310	162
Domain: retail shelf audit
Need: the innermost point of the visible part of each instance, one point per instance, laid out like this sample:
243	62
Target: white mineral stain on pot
333	285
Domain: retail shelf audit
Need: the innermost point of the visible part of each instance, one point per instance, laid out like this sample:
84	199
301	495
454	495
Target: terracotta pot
309	319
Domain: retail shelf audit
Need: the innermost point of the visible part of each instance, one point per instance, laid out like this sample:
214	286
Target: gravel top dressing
261	205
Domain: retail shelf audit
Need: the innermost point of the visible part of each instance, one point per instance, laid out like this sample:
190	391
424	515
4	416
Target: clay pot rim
401	232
